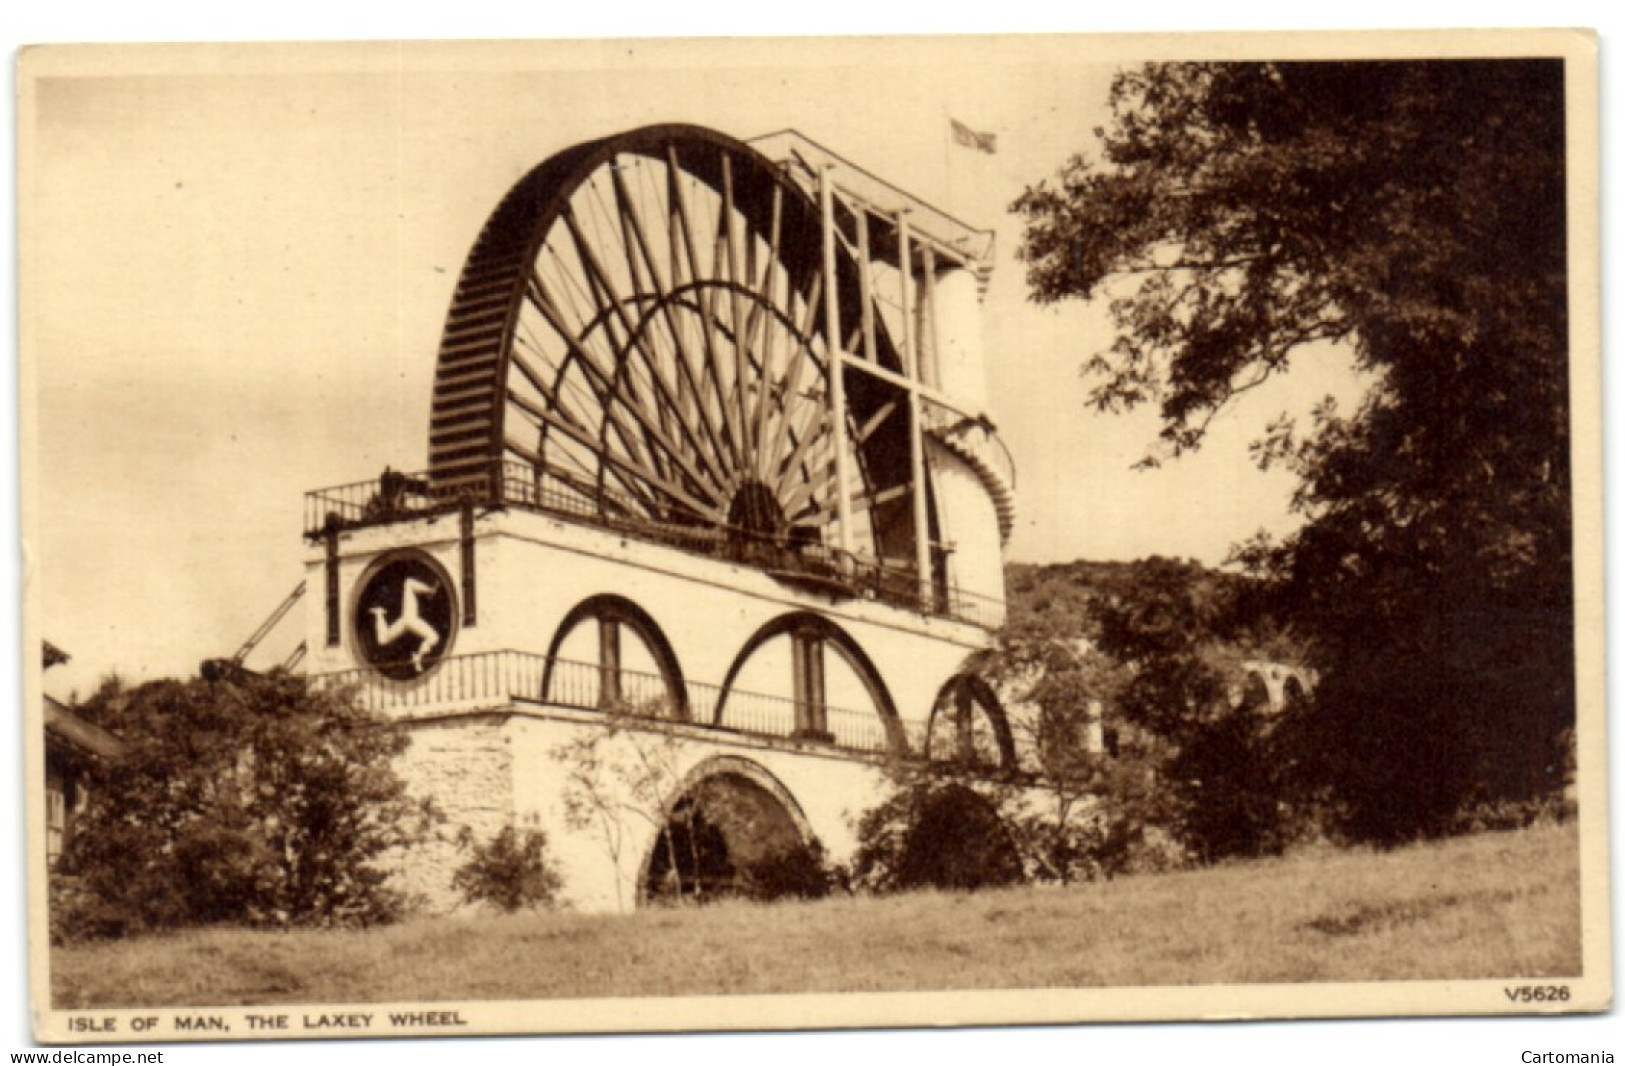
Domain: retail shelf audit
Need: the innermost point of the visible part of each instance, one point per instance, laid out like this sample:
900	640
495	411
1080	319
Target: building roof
62	724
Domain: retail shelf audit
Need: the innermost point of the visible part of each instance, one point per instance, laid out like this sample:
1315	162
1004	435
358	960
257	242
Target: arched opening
802	676
733	831
608	654
1255	694
968	726
1292	692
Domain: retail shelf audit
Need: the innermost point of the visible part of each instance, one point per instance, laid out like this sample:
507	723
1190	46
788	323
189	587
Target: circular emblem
405	615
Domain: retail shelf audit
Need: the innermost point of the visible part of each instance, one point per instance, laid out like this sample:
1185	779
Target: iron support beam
926	392
870	354
931	351
837	370
916	443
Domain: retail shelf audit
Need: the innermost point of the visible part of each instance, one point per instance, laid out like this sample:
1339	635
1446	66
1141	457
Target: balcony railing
396	496
488	679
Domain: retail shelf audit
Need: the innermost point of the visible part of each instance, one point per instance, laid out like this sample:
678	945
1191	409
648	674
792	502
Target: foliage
935	831
1414	214
800	871
263	801
510	871
1216	748
1192	770
1084	812
1484	907
78	914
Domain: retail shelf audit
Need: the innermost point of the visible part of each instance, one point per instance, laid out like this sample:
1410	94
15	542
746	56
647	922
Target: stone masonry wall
465	764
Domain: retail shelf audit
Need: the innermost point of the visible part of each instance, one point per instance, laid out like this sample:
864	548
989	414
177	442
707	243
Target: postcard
750	534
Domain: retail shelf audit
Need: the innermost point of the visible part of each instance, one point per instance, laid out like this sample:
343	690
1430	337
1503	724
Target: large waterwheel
640	335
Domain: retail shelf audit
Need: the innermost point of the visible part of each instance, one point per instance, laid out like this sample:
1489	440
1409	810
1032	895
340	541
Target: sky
252	537
238	276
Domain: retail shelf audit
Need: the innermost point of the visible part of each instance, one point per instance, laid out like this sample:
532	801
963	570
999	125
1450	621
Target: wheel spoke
817	428
636	342
643	324
803	355
727	224
637	411
663	299
579	436
671	490
680	203
579	355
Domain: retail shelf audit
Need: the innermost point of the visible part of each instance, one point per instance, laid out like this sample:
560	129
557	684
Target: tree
1083	813
624	775
264	800
1153	655
1184	636
1414	214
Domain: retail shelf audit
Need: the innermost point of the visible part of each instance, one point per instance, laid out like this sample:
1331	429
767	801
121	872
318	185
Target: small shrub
801	872
1501	814
510	871
1088	847
935	834
77	913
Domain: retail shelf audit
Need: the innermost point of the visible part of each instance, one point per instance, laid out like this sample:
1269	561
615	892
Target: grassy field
1494	905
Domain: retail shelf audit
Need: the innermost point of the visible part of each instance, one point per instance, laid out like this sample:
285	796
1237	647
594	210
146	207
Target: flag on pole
982	142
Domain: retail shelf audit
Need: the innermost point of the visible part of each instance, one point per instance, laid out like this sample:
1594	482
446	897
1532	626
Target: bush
935	834
801	872
1502	814
77	913
510	871
1229	792
258	800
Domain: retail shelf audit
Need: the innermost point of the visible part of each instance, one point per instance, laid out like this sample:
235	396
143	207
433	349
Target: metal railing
786	556
493	678
387	498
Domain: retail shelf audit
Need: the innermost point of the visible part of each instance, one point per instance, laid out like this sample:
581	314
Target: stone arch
728	815
1292	690
810	635
958	702
1255	694
612	684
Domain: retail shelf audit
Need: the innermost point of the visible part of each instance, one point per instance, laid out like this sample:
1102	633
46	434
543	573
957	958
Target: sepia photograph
635	535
